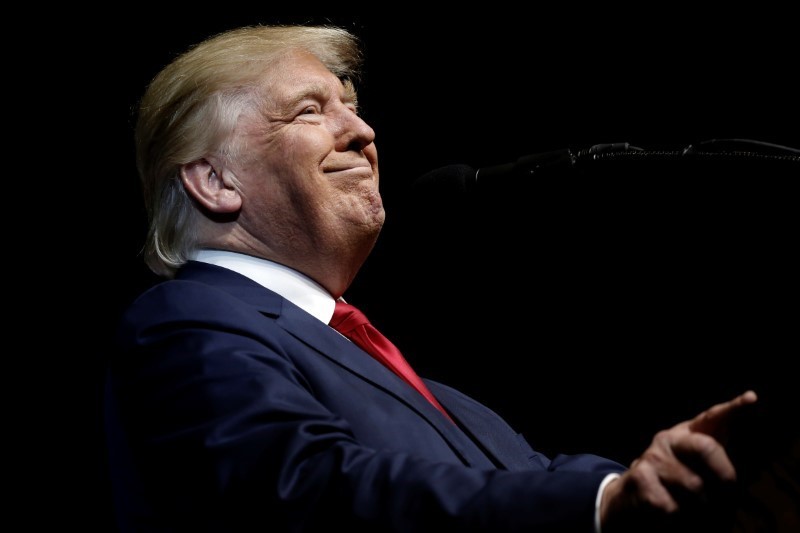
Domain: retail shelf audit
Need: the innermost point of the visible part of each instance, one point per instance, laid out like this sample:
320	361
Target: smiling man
235	406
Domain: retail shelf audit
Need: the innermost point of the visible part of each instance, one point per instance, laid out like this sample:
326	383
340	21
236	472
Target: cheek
304	146
296	148
288	161
285	172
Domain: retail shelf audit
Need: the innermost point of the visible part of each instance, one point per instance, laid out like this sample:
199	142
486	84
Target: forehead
297	73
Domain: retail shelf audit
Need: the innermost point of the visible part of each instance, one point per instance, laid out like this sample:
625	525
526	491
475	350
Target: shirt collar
291	284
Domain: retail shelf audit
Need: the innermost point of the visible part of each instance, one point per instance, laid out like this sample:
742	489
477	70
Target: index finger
715	420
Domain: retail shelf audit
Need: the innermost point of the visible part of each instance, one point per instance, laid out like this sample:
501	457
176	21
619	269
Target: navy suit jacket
231	409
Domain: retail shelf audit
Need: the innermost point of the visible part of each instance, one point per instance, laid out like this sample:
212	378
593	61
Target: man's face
309	170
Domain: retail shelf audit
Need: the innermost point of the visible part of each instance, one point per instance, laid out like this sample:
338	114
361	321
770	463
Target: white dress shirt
298	288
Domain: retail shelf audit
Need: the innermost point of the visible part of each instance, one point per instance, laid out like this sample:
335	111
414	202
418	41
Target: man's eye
310	110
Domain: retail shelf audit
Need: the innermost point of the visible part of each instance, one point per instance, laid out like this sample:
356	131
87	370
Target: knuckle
705	445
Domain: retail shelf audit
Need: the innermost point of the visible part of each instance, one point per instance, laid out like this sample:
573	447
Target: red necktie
352	323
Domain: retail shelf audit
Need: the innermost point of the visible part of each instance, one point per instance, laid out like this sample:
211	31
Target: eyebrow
350	95
315	90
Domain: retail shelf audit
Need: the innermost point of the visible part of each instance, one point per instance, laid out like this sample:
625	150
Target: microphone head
451	181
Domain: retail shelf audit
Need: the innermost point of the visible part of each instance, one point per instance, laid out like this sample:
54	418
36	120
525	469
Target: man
234	406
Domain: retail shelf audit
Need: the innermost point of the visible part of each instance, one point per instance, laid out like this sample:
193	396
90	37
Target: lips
362	171
343	168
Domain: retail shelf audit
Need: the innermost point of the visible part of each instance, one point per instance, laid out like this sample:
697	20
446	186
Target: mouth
364	171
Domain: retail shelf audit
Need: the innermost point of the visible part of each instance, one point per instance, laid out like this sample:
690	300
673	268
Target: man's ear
205	183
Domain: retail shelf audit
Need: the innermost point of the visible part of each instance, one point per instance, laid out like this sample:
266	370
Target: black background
617	315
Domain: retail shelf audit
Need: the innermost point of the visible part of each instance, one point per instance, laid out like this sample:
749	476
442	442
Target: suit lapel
338	349
332	345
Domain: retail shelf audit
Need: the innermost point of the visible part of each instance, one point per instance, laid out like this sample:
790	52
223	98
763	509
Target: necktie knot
347	317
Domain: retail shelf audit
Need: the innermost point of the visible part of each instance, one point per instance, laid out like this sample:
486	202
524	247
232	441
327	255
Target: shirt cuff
606	480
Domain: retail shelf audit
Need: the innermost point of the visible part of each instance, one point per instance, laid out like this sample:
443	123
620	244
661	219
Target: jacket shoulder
186	301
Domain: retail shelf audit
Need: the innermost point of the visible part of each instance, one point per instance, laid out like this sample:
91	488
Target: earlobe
204	182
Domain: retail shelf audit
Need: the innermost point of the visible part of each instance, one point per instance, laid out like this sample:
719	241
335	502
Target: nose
354	133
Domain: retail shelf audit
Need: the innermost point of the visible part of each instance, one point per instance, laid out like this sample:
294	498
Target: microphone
451	180
624	159
464	180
